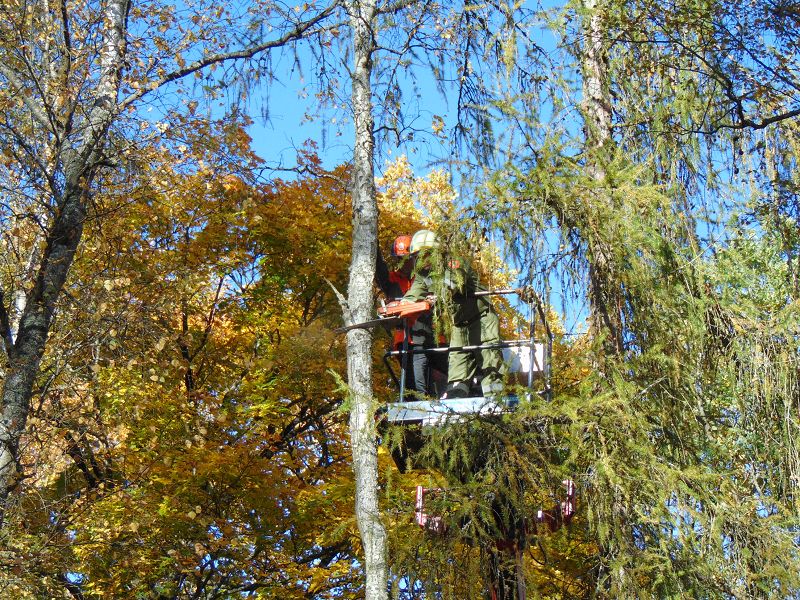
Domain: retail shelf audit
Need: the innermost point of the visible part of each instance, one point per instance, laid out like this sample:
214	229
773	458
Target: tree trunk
360	302
79	165
25	355
75	130
604	291
596	105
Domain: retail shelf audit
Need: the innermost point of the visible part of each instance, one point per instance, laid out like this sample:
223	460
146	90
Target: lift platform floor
436	412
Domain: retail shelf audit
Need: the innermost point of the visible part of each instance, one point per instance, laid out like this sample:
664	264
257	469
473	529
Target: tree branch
209	320
296	33
346	312
38	114
396	6
33	154
748	123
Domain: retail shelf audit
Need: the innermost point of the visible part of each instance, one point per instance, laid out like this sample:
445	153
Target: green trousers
463	366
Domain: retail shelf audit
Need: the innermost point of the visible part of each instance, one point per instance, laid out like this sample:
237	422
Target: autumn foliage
186	433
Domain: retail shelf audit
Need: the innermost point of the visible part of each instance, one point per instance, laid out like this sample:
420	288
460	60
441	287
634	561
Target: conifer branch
748	123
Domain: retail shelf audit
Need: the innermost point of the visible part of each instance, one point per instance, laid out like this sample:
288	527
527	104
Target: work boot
491	389
458	389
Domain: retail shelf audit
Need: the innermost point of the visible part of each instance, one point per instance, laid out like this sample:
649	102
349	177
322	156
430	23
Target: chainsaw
391	314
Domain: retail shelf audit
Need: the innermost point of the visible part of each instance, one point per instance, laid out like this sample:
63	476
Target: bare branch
209	320
32	154
748	123
396	6
346	313
296	33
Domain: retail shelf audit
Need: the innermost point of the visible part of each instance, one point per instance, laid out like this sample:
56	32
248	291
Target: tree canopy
175	398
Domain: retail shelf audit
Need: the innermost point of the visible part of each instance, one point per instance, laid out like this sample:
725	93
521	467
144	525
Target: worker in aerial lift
394	284
474	320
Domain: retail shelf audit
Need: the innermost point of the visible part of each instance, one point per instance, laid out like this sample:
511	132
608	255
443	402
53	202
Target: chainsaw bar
369	324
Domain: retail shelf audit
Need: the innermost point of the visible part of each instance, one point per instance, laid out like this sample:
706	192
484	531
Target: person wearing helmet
424	239
401	245
394	284
474	320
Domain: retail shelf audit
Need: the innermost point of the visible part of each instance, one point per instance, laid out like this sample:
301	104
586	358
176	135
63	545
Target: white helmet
422	239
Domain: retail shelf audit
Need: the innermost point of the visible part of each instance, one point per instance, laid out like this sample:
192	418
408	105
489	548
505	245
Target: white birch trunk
360	302
597	111
597	114
596	96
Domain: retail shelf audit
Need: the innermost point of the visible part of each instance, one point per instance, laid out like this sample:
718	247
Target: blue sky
292	117
289	115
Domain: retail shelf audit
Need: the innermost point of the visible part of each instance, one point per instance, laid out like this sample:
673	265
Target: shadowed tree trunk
80	163
61	73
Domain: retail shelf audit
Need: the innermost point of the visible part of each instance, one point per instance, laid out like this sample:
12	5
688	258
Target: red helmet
401	245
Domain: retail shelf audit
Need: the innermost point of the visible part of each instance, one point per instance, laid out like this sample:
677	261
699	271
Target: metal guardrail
537	314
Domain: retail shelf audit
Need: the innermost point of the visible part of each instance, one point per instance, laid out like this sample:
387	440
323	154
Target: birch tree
360	303
73	77
400	37
597	115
